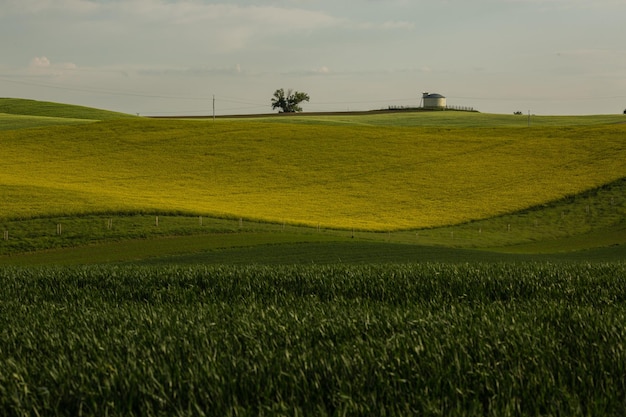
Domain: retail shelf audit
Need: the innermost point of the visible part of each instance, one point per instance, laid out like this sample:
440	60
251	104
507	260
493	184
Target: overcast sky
166	57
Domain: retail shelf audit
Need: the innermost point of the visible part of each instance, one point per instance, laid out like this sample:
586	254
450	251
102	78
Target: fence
460	108
411	108
578	216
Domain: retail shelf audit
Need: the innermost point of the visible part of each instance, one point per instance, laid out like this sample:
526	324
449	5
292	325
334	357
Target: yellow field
363	177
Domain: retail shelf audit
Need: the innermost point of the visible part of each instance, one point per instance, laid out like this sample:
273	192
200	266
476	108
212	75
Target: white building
433	101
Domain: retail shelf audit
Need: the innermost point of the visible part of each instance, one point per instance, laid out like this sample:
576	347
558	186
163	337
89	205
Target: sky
167	57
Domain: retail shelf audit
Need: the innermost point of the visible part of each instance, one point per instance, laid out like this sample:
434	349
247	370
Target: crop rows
427	339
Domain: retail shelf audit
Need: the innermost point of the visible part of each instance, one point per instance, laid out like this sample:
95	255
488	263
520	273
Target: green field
449	179
447	119
362	177
411	263
429	340
33	108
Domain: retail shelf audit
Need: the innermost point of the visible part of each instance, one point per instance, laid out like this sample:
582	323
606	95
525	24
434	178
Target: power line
539	98
180	97
100	90
367	101
138	94
249	105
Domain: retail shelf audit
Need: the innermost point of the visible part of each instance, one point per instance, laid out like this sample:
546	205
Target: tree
290	102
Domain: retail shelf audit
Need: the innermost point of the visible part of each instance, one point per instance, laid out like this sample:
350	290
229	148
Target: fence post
156	221
6	235
59	229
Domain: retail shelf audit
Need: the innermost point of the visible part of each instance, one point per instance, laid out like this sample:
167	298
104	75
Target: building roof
434	95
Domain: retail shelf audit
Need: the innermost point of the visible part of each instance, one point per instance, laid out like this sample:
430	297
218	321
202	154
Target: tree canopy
288	102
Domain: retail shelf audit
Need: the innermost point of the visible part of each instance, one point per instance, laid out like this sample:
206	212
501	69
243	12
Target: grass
510	302
257	248
430	339
14	122
577	222
368	252
589	220
376	178
22	107
193	240
27	114
165	248
433	178
452	119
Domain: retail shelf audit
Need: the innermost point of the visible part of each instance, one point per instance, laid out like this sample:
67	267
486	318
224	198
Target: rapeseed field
361	177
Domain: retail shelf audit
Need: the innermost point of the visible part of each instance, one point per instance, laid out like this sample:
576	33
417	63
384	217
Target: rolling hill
448	175
363	177
22	114
22	107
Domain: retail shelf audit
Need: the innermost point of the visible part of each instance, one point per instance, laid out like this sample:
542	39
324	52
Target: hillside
362	177
23	107
25	114
14	122
449	119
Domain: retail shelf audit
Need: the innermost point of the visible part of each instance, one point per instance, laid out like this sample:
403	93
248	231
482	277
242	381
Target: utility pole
213	107
528	118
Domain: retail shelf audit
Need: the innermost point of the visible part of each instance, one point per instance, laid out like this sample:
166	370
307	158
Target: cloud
33	7
39	62
184	12
591	52
394	24
569	4
192	72
321	71
43	66
223	26
216	27
229	27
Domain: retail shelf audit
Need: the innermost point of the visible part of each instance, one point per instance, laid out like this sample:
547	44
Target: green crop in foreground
429	339
370	177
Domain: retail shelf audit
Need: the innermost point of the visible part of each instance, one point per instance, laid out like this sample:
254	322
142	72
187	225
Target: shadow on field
372	252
